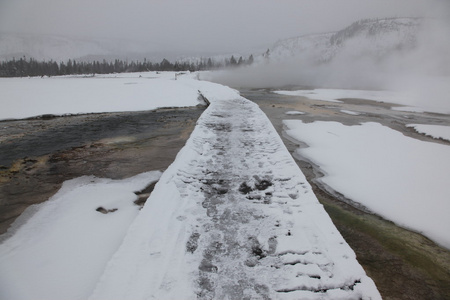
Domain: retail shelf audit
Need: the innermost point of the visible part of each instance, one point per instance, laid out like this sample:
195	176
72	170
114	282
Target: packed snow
30	97
435	131
400	178
61	250
409	101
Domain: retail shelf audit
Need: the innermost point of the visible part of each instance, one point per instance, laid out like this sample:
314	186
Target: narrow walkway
234	218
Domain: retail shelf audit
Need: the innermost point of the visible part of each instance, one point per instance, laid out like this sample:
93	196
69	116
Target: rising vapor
405	54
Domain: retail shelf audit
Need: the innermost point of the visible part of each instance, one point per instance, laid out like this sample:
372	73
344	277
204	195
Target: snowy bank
435	131
61	251
400	178
30	97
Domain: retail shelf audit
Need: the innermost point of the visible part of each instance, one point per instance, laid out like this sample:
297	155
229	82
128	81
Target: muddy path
403	264
38	155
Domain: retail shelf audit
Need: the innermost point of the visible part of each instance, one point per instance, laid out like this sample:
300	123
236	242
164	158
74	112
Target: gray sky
197	25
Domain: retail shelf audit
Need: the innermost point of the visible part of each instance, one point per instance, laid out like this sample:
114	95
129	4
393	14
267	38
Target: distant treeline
24	67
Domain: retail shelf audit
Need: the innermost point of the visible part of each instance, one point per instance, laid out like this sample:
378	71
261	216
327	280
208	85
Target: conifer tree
250	59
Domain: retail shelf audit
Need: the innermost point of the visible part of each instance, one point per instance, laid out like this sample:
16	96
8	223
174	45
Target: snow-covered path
234	218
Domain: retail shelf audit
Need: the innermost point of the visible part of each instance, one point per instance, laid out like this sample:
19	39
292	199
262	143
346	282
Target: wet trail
253	198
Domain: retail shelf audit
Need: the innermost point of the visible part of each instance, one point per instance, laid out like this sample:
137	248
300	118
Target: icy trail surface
234	218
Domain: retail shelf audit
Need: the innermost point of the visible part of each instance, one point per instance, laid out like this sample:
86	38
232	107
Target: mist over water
422	70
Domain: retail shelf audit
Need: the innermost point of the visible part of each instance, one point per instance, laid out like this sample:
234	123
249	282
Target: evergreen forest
24	67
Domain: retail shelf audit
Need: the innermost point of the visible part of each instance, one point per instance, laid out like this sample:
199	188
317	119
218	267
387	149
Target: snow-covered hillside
311	44
407	55
374	38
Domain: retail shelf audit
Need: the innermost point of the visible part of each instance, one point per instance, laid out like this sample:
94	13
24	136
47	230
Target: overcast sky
197	25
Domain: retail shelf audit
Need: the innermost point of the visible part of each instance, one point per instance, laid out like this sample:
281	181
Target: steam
423	69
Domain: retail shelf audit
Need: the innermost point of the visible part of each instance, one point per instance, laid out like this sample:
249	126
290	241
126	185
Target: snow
233	216
333	95
294	112
435	131
400	178
349	112
414	101
318	94
30	97
61	250
316	46
361	39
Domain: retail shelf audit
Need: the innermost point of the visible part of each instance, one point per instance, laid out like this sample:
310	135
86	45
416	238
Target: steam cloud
423	70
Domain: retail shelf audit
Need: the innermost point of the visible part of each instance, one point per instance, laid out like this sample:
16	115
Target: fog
422	70
428	58
251	26
221	26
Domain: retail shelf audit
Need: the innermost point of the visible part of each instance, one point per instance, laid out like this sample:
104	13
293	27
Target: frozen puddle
234	218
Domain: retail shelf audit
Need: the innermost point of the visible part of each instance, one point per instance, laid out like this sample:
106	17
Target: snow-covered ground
401	178
411	101
29	97
61	250
233	217
435	131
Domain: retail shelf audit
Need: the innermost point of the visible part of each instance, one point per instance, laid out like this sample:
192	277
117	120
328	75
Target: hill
375	38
